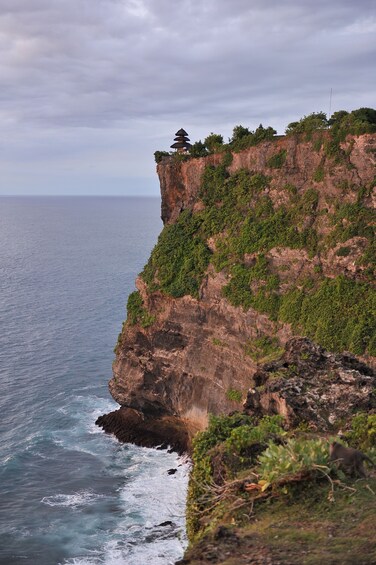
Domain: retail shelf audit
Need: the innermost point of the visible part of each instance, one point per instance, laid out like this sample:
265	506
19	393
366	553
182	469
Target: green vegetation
363	431
315	312
158	155
356	122
319	174
277	160
343	251
243	221
240	463
309	127
180	258
308	124
297	455
237	450
243	437
136	312
263	349
213	142
234	395
242	137
341	124
218	342
198	149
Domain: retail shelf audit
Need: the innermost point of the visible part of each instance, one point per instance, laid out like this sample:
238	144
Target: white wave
79	498
151	526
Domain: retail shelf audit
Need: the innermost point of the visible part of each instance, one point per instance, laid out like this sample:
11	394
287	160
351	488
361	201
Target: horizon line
79	196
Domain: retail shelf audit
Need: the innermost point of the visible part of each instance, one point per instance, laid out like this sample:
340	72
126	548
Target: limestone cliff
272	234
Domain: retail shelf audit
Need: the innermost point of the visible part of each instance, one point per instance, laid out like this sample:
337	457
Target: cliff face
180	182
197	353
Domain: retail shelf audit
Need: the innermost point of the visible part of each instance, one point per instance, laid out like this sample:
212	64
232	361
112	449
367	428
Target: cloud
141	69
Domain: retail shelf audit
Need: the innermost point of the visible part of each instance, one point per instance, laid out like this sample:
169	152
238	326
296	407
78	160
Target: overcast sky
89	89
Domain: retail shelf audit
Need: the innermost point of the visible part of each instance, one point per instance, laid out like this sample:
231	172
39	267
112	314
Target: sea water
69	493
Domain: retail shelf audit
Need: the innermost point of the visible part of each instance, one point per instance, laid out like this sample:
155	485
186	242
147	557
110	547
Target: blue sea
69	493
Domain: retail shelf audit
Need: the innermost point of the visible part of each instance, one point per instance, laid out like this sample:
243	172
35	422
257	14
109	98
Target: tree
308	124
213	142
198	149
238	133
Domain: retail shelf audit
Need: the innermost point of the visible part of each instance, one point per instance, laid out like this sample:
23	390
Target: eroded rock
308	384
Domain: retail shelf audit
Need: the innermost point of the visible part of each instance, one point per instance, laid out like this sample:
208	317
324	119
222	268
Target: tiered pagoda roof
181	141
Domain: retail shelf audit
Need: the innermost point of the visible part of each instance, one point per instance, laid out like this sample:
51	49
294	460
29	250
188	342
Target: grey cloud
105	64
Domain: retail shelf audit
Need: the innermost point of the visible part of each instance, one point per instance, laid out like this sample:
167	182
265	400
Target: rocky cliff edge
187	355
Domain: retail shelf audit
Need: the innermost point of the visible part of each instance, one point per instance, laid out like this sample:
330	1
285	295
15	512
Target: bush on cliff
296	456
179	260
158	155
356	122
136	312
198	149
242	218
229	444
242	137
308	124
213	142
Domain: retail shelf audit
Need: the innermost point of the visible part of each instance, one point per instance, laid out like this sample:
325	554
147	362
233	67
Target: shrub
213	142
308	124
279	462
238	133
218	430
363	431
315	312
356	122
158	155
180	258
243	137
343	251
234	395
319	174
136	312
242	437
198	149
263	348
277	160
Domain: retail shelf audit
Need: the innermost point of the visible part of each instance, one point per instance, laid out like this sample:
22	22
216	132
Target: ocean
69	493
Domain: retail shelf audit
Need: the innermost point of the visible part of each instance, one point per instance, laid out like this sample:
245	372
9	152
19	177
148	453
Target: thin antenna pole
330	103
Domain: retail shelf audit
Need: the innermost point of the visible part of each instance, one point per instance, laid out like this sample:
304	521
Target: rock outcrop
311	386
198	355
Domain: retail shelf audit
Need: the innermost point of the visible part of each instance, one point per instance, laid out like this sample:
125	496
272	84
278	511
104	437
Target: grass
306	511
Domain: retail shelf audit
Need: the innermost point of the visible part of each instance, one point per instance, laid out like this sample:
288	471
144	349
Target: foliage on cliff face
136	311
245	225
179	260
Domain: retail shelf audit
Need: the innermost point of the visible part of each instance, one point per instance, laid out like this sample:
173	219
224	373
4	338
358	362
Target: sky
89	89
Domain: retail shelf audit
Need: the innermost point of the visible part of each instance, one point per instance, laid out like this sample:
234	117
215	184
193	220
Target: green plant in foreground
278	462
363	431
244	436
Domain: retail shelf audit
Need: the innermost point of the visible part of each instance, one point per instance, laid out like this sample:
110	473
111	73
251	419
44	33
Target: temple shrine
181	141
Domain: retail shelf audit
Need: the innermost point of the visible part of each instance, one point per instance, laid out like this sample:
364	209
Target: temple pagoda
181	141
